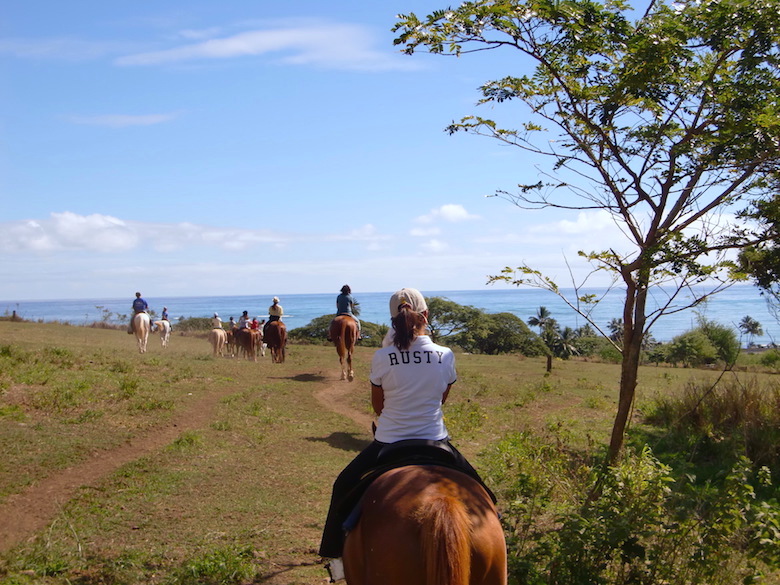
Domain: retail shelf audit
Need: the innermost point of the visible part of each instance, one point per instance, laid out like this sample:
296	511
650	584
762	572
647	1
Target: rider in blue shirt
344	305
165	318
139	306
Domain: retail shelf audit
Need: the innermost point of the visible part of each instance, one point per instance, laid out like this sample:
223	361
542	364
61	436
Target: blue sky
203	148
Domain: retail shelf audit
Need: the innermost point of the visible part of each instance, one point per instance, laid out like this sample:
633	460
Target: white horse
218	339
165	331
141	327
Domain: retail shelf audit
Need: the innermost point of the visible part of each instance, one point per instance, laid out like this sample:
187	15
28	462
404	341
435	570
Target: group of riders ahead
410	380
275	313
344	306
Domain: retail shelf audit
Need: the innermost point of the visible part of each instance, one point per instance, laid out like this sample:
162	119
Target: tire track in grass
24	514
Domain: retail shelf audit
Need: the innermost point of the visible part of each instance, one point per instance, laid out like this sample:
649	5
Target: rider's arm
446	394
377	398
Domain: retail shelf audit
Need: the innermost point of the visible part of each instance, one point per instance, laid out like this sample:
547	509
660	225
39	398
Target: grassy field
178	467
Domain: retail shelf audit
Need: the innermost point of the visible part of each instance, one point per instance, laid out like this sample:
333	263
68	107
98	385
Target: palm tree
563	344
616	330
541	319
751	328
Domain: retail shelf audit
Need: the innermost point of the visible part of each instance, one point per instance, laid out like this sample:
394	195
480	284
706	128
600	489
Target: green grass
242	495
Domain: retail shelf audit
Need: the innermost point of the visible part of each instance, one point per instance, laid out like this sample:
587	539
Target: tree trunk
549	362
633	334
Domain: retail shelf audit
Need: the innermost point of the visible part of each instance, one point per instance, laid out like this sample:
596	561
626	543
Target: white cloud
338	46
70	231
425	232
449	213
587	222
123	120
435	246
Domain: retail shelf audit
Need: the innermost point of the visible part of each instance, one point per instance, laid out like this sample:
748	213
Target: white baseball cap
407	296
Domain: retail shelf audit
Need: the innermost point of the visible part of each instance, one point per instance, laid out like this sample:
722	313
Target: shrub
724	422
610	354
194	324
571	524
724	339
770	359
692	349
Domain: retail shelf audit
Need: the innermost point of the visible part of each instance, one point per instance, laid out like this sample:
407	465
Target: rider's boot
335	570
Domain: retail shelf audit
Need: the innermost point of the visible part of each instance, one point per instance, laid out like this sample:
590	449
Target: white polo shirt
414	382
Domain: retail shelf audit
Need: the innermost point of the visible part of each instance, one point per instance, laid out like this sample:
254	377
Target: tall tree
666	120
447	318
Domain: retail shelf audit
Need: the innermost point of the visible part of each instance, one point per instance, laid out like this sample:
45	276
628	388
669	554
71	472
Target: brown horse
343	332
246	340
276	339
423	525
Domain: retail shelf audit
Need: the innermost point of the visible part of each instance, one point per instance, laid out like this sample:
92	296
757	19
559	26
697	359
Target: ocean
727	308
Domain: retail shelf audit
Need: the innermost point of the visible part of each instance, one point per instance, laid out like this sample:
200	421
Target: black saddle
391	456
415	451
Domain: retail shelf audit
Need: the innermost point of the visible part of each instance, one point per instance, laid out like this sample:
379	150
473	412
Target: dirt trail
26	513
332	399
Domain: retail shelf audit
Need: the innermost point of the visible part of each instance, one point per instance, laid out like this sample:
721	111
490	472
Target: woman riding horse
345	304
410	381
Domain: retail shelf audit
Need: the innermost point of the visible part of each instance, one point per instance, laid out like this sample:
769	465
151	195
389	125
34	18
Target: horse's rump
218	339
247	341
440	521
275	337
141	327
343	332
164	328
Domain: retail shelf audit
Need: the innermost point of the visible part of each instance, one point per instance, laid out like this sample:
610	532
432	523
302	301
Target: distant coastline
728	308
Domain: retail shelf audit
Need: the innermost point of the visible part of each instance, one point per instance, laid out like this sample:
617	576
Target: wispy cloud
449	213
200	34
367	232
425	232
63	48
123	120
68	231
327	45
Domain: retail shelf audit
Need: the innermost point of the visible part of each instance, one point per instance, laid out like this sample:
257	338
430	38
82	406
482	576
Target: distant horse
276	339
141	327
246	340
164	327
423	525
343	332
218	339
230	342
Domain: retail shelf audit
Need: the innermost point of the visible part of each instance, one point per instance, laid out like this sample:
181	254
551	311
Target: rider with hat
275	312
